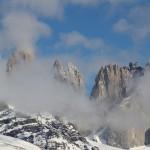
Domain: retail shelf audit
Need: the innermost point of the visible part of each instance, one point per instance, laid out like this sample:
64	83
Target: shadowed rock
125	139
43	130
111	82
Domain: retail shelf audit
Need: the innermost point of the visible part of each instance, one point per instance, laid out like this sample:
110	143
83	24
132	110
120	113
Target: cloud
52	8
85	2
95	2
135	108
136	25
122	26
21	31
37	9
31	88
22	22
45	8
23	28
48	8
75	38
116	2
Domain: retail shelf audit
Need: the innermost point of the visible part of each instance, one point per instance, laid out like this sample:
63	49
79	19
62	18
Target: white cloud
122	26
137	23
49	8
85	2
52	8
21	31
32	88
75	38
94	2
115	2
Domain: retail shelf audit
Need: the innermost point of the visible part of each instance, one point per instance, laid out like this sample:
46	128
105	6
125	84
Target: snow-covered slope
43	130
141	148
9	143
105	147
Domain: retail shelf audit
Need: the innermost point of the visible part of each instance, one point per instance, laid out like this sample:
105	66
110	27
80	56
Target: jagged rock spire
17	57
69	74
111	82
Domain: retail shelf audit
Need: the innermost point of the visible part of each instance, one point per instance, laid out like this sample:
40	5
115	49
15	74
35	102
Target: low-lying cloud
32	88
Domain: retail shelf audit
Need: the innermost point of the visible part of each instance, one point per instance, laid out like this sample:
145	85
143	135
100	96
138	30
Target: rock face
18	57
111	82
43	130
147	137
124	131
124	138
70	75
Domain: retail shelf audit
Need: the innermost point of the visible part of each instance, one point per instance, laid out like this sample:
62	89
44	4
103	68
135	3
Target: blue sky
122	26
88	32
103	22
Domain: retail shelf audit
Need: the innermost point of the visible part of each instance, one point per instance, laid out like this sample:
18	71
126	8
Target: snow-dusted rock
70	74
43	130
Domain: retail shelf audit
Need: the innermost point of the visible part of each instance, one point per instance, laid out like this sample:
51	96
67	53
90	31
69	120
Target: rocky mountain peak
115	85
19	57
69	74
111	82
60	73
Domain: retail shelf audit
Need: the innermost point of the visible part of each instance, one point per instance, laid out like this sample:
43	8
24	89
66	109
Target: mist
21	31
133	112
31	88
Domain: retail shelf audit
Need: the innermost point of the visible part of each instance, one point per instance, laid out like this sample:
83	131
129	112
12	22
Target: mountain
45	131
112	81
115	86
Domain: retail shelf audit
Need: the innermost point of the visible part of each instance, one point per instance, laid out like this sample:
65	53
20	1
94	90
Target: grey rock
127	138
111	82
44	130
